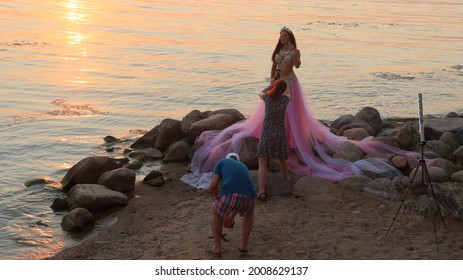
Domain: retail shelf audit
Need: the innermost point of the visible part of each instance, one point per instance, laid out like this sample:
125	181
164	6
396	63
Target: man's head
234	156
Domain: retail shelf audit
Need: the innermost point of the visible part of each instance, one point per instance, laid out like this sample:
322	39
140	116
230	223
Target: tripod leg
398	210
435	231
434	195
416	171
403	200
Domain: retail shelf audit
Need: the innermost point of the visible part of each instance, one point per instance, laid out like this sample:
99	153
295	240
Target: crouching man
237	195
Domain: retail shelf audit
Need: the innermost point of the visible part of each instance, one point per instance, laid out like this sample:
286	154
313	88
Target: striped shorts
225	204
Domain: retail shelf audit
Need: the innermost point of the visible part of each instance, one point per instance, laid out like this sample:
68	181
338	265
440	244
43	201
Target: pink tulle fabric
308	139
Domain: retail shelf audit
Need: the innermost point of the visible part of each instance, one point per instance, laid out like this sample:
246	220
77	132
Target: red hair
278	89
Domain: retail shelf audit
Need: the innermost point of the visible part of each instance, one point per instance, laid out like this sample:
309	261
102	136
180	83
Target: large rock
406	136
370	131
372	117
355	134
350	152
401	183
248	152
235	114
458	154
355	182
459	136
147	140
214	122
386	132
452	115
412	162
169	131
189	120
445	164
77	219
444	124
87	171
457	176
439	147
316	189
120	180
450	139
177	152
450	198
429	154
375	167
432	133
95	197
345	120
382	189
275	185
418	185
436	174
387	140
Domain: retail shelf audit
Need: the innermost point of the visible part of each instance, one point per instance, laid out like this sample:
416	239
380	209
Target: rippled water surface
73	72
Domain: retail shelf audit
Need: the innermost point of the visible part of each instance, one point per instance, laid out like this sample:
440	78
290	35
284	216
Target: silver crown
286	29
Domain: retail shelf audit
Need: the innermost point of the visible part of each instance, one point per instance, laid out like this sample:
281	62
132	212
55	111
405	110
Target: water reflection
76	36
70	46
73	9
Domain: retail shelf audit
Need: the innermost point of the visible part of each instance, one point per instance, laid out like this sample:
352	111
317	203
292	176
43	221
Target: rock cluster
94	183
100	182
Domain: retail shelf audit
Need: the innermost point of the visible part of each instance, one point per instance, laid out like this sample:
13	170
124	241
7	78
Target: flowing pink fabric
307	140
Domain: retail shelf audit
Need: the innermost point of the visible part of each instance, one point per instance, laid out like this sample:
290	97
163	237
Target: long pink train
306	137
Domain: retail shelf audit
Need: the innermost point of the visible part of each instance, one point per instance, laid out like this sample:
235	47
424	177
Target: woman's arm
273	70
296	58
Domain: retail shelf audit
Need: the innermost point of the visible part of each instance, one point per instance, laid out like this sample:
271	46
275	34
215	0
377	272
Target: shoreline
329	222
172	223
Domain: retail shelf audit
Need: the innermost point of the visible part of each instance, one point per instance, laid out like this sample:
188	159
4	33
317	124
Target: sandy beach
172	223
75	72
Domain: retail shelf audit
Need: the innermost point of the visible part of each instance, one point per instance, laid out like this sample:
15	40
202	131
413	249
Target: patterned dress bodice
284	60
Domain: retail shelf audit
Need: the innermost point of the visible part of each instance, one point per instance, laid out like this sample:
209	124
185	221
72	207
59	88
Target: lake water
73	72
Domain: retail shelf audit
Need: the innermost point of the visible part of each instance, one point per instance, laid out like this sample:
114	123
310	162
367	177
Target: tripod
424	175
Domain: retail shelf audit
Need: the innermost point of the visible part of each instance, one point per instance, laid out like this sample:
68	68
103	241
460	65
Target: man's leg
229	218
216	227
248	222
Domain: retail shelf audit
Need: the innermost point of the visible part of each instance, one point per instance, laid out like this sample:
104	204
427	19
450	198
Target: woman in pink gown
308	138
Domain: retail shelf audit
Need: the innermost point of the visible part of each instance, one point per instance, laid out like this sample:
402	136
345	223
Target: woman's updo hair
278	89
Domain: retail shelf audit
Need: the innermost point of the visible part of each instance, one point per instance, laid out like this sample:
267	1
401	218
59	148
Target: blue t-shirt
235	177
